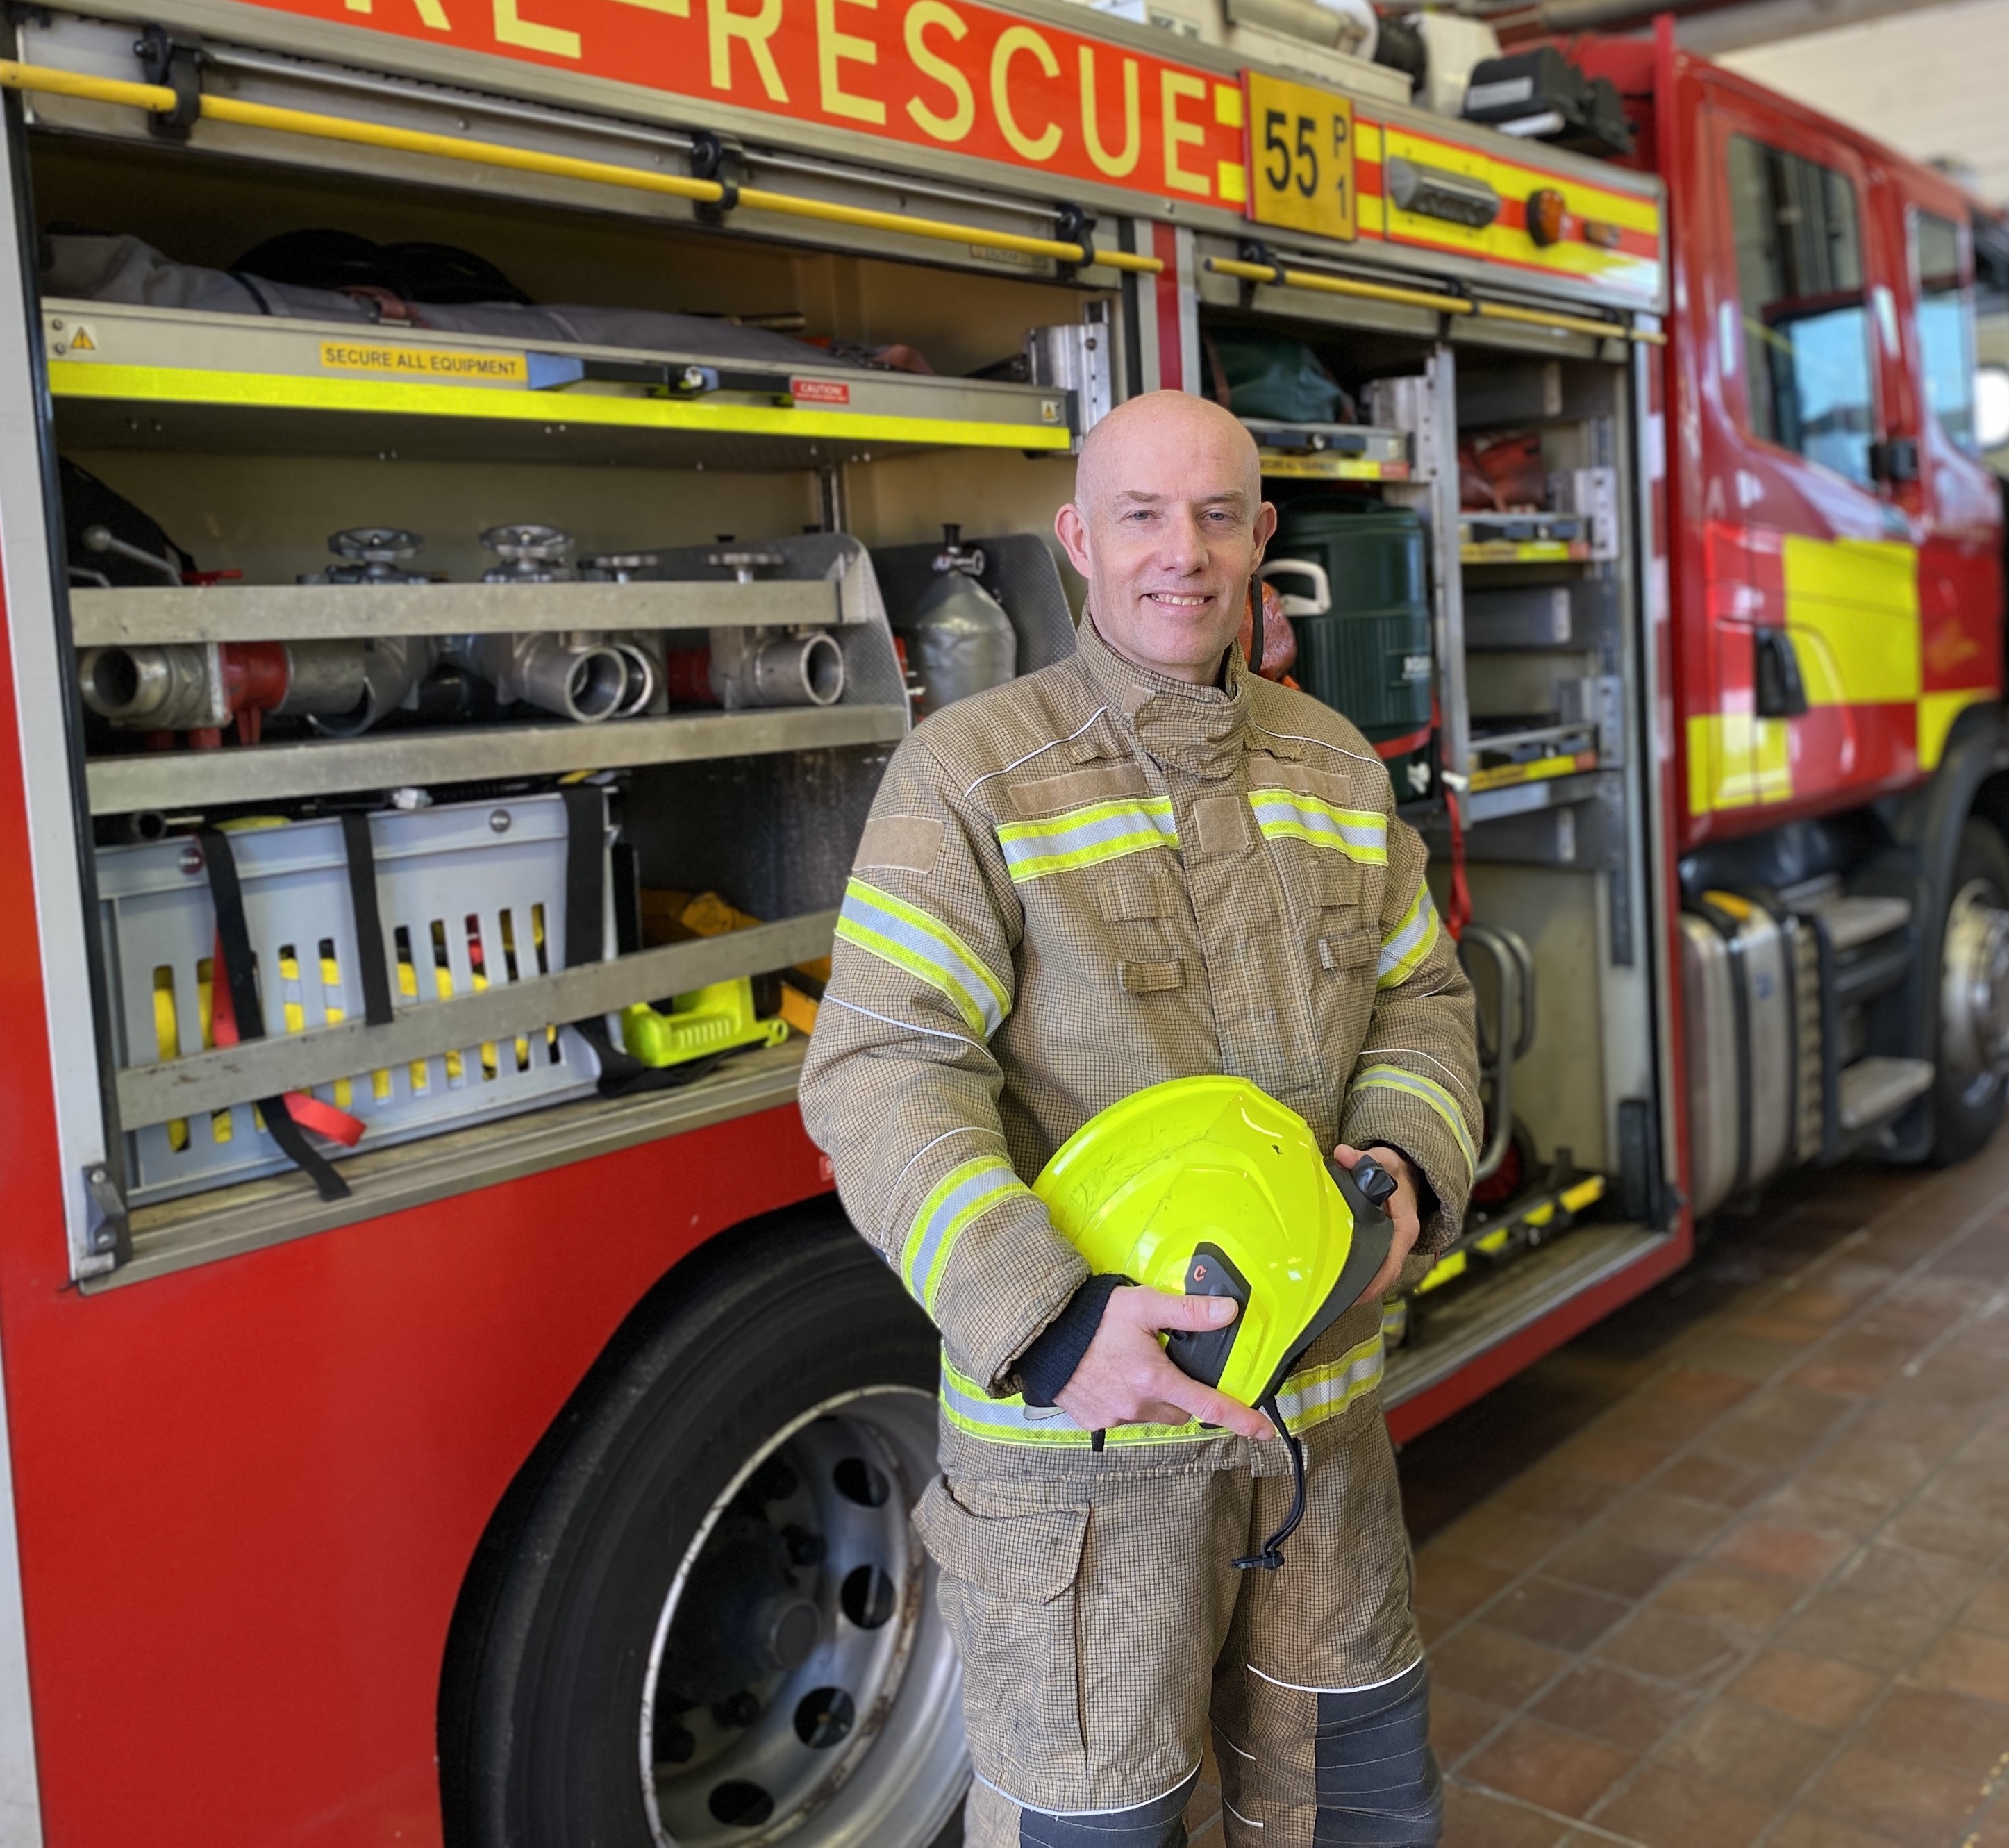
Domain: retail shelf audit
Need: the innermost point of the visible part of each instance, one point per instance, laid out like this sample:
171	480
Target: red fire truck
472	534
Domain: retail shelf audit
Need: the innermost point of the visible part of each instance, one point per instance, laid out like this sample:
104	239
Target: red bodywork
1738	503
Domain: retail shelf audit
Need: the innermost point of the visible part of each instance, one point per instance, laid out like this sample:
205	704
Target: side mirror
1991	406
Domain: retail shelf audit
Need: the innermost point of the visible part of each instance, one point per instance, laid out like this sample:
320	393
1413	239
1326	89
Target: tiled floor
1733	1568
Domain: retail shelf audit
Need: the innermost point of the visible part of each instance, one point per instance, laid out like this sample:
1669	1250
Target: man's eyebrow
1146	498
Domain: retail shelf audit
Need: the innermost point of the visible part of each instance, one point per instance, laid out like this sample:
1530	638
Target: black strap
233	939
369	920
1272	1554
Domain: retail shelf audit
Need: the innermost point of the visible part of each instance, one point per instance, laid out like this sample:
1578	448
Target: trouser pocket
1010	1595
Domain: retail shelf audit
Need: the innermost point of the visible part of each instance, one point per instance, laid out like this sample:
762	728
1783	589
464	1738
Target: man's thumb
1196	1312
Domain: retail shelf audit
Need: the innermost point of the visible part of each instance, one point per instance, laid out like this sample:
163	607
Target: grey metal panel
286	612
1581	615
392	760
288	1062
1715	1097
201	1230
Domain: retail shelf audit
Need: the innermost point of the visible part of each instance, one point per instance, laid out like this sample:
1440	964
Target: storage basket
470	895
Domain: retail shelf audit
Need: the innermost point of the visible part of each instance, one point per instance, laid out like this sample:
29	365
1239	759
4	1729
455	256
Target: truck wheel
715	1625
1973	998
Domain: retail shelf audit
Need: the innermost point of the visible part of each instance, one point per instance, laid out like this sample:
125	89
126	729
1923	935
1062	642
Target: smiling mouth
1178	599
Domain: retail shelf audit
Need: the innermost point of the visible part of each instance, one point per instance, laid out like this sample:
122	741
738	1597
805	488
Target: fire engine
473	523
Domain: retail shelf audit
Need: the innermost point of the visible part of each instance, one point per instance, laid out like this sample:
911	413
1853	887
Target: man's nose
1185	543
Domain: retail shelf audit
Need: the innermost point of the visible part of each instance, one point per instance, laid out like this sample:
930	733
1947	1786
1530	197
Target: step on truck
487	484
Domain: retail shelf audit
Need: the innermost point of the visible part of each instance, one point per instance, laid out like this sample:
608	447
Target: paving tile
1825	1507
1506	1537
1812	1302
1606	1564
1672	1648
1922	1805
1472	1819
1561	1494
1969	1664
1769	1325
1664	1421
1871	1470
1606	1456
1701	1385
1872	1634
1459	1722
1430	1624
1816	1689
1940	1727
1718	1594
1921	1581
1760	1446
1728	1484
1543	1764
1750	1749
1988	1611
1784	1552
1665	1524
1816	1828
1452	1585
1566	1617
1492	1666
1748	1356
1839	1380
1924	1433
1668	1809
1970	1491
1611	1703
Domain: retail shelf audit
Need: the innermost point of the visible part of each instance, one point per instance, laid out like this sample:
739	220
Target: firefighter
1139	864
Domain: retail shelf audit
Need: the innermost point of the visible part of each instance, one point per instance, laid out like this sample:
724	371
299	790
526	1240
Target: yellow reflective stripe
1081	837
970	1409
1404	950
910	938
1318	1393
1360	834
962	1195
189	385
1393	1077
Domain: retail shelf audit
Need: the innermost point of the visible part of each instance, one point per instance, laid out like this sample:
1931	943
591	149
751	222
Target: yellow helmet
1210	1187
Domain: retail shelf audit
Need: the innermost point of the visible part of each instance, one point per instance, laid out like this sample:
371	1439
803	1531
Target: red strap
1458	913
308	1111
1401	746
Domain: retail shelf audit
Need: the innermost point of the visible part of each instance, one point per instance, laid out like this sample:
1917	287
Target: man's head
1167	521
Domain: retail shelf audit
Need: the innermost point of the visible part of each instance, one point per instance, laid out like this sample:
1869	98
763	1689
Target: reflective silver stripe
1318	1393
908	939
1360	834
962	1195
970	1409
1084	836
1427	1090
1414	938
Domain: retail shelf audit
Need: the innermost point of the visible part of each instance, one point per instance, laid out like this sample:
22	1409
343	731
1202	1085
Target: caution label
424	362
819	391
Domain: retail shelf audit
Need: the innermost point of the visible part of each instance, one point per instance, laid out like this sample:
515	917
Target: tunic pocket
1010	1587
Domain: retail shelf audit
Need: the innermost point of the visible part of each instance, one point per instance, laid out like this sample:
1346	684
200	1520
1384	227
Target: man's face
1169	524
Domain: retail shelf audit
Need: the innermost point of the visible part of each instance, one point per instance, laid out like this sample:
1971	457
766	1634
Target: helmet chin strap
1272	1554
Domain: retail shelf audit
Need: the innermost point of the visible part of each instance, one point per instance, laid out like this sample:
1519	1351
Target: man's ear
1071	530
1266	527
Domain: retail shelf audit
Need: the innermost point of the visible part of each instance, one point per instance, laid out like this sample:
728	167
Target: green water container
1352	572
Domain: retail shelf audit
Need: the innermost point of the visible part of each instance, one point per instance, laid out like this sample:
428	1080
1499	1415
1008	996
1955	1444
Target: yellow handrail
158	100
1278	276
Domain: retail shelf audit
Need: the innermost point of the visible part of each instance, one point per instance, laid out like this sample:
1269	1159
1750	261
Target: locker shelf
176	380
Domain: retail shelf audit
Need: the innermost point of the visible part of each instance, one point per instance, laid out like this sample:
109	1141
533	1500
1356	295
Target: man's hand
1125	1377
1401	1208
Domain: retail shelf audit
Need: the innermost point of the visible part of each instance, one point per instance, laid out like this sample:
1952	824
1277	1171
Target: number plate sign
1300	157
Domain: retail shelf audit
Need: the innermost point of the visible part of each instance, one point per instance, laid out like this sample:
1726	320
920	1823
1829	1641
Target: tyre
712	1624
1973	1062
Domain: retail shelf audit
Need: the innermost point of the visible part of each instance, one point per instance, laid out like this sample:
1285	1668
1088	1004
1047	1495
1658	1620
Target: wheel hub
1974	991
799	1670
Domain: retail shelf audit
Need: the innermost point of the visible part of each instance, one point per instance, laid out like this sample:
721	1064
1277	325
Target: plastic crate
469	895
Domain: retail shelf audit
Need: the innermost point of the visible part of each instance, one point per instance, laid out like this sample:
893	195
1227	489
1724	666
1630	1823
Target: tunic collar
1199	728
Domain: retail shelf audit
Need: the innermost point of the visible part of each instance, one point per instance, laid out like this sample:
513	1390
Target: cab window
1806	324
1946	324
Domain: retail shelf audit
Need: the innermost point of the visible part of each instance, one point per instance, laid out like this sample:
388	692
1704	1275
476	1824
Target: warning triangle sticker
81	341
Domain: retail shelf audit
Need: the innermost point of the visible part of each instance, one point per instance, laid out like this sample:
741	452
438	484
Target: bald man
1144	863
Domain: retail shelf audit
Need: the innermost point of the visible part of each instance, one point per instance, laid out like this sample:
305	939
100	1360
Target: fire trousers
1102	1626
